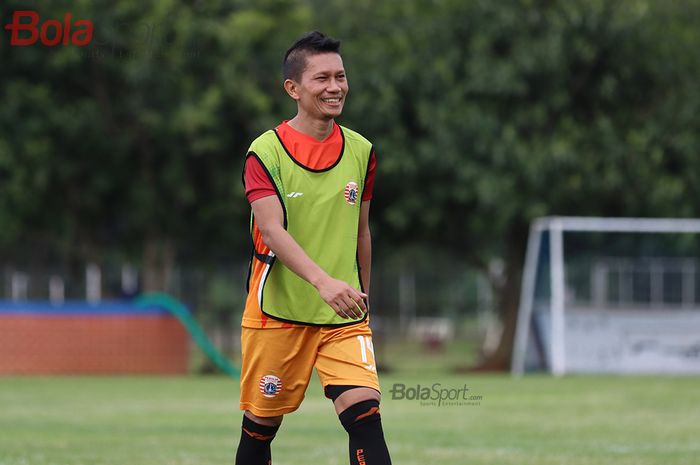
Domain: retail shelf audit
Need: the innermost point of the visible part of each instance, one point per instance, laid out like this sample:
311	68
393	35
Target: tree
136	141
488	115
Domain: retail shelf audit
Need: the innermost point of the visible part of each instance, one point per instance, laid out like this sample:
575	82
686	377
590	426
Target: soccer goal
610	295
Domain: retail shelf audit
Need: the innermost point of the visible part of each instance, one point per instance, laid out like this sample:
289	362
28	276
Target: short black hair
311	43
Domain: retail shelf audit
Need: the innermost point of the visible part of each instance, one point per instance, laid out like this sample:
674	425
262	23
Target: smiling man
309	183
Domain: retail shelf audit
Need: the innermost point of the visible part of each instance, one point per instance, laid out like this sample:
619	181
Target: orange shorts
277	364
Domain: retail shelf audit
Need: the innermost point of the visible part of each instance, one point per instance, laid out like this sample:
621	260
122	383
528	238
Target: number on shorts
365	345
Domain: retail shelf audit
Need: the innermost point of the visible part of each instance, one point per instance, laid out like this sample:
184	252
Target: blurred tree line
485	115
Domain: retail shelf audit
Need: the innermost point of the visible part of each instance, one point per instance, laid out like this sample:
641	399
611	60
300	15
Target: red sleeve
257	183
369	182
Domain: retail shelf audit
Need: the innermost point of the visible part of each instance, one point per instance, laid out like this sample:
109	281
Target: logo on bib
351	193
270	385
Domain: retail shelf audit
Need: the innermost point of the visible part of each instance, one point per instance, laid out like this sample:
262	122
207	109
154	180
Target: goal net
610	295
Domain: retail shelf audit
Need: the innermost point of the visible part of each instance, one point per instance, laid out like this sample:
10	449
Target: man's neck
318	129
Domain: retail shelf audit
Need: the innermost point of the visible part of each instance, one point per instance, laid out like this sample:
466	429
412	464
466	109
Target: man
309	182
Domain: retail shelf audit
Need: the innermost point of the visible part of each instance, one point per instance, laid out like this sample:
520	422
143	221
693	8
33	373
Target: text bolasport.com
435	395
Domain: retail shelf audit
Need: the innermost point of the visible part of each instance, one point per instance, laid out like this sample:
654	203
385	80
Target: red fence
77	338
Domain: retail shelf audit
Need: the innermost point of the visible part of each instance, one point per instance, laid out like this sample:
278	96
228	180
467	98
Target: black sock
364	426
254	448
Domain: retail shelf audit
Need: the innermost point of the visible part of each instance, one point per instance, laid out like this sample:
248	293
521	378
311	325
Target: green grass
536	420
405	355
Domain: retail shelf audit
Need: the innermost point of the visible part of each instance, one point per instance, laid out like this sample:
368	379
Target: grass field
195	420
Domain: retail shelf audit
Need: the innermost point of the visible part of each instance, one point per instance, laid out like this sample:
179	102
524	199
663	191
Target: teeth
331	100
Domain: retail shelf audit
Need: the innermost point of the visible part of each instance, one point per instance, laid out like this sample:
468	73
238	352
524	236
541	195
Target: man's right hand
347	301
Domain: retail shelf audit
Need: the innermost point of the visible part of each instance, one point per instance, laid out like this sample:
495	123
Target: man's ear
291	87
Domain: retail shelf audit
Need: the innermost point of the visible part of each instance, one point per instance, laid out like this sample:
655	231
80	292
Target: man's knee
361	419
346	396
265	421
355	405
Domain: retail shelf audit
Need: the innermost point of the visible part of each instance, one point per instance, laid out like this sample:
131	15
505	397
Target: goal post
595	297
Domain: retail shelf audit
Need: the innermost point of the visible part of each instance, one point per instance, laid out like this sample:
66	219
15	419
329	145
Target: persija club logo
351	193
27	28
270	385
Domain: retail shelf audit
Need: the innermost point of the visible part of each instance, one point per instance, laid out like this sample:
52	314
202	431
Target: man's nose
333	86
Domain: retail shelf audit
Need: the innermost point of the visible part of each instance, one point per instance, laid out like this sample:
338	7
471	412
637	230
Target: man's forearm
344	299
293	256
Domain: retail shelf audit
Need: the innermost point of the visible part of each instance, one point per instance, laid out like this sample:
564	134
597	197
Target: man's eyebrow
326	73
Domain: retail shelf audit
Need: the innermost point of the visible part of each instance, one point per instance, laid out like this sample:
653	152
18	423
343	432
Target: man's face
323	87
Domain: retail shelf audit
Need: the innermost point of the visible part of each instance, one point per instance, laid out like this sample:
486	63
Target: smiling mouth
331	100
